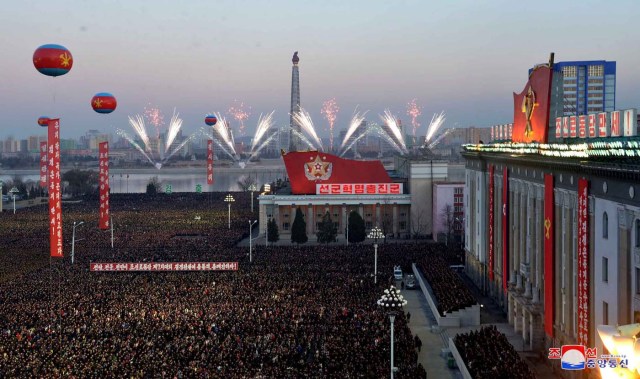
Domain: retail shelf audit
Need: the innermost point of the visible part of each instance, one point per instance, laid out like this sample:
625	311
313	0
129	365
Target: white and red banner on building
621	123
505	229
549	257
43	164
491	216
210	162
103	178
165	266
55	201
359	189
583	262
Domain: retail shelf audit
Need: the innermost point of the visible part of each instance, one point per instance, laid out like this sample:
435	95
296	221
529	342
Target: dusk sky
461	57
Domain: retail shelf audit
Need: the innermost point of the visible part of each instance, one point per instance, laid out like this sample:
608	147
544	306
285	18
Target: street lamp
1	184
73	240
375	234
229	199
13	192
252	188
392	301
251	224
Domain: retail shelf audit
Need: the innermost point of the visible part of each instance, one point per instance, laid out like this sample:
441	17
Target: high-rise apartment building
588	86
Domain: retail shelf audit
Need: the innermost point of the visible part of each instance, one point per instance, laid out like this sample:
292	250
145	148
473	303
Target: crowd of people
294	312
488	354
449	289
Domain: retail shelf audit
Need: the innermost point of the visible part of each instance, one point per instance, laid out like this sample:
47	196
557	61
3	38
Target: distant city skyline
198	57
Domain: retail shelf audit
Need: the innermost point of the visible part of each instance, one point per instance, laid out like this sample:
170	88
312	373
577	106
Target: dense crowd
449	289
294	312
488	354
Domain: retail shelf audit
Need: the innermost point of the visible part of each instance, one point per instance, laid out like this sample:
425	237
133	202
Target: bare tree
419	221
246	181
387	219
448	221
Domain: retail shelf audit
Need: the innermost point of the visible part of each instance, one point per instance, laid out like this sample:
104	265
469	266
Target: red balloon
104	102
43	121
52	60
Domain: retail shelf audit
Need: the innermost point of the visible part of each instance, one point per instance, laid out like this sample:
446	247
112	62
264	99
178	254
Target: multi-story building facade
588	86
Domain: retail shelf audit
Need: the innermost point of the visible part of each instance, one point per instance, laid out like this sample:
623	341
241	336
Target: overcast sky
461	57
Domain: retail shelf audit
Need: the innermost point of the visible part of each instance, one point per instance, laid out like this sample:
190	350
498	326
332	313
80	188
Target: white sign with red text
359	189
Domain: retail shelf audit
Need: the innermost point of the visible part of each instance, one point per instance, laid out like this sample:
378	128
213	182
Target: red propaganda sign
549	266
55	201
505	229
210	162
308	168
491	214
164	266
103	177
43	164
583	262
531	107
359	189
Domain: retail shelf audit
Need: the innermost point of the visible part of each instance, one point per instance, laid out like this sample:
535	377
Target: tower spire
295	103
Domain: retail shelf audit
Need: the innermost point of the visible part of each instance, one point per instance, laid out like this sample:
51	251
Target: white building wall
481	216
442	196
467	209
605	248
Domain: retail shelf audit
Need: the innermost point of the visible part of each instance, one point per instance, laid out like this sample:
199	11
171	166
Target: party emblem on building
318	168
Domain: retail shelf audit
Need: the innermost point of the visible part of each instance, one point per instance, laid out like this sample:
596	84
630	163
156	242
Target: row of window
595	88
368	224
605	229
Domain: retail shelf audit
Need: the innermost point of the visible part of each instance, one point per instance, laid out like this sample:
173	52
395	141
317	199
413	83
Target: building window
637	281
286	216
285	226
596	70
605	313
368	224
368	215
605	269
637	233
569	71
403	225
458	191
605	225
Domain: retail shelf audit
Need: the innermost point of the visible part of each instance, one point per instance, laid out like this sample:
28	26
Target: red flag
55	202
549	256
43	164
103	151
505	229
306	169
531	107
210	162
491	216
583	262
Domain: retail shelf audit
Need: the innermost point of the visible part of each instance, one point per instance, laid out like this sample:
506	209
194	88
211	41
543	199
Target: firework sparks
436	122
240	114
329	110
174	127
356	121
391	122
264	124
222	129
303	119
155	117
414	111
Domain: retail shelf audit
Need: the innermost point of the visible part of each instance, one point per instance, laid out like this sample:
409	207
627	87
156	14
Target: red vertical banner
549	256
103	177
491	216
583	262
210	162
43	164
55	201
505	229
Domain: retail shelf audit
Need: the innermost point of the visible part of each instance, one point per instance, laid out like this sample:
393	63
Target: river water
180	179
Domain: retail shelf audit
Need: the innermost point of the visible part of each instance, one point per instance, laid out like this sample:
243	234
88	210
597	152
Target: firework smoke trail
264	124
262	145
440	137
303	119
302	138
215	139
137	123
414	111
355	140
392	124
174	127
124	135
330	109
223	131
240	114
355	123
190	138
155	118
379	131
436	121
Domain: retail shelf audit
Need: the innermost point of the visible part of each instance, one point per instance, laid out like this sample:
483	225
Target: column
310	221
361	210
538	247
516	236
395	220
529	219
343	225
378	218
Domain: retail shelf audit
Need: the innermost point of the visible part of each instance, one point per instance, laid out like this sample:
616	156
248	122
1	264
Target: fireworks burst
154	117
303	119
436	122
329	110
356	121
240	114
414	111
392	124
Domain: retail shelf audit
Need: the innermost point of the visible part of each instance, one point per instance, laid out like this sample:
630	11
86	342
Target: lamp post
252	188
229	199
375	234
392	301
251	224
13	192
460	220
73	240
1	184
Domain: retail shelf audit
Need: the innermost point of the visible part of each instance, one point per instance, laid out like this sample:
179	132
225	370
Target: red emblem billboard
491	215
308	168
55	201
505	230
583	262
531	107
